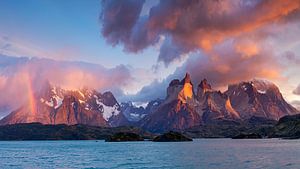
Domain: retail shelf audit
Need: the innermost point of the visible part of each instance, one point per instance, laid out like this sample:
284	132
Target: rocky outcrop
72	112
172	137
177	111
287	127
216	106
123	137
203	87
247	136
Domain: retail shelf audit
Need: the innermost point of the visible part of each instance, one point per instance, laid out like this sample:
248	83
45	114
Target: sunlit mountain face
134	49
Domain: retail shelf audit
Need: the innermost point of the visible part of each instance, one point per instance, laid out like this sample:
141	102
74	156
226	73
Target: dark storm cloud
224	41
121	23
191	25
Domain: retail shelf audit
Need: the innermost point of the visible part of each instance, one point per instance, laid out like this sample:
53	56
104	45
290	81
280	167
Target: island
171	137
248	136
124	136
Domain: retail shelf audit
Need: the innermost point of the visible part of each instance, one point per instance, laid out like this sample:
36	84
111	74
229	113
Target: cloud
121	24
296	103
223	41
17	73
297	90
292	58
229	63
190	25
154	90
14	46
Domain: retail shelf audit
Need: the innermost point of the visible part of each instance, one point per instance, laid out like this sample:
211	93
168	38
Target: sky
145	44
68	30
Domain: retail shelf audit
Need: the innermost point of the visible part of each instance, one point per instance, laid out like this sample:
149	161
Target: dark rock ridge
287	127
53	105
248	136
123	137
172	137
231	128
38	131
183	109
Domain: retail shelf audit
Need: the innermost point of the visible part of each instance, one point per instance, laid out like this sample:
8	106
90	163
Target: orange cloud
195	25
22	79
247	49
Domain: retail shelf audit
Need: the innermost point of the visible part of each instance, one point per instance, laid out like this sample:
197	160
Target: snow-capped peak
262	85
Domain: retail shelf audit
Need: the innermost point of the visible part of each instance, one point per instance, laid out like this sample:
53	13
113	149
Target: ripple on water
202	153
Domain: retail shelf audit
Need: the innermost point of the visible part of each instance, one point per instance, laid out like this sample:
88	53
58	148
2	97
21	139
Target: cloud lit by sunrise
140	48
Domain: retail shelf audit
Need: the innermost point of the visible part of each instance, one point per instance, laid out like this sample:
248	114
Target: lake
201	153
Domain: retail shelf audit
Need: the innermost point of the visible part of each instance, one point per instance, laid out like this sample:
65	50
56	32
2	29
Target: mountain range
185	106
54	105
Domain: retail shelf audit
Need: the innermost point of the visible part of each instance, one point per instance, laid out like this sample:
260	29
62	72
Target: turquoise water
202	153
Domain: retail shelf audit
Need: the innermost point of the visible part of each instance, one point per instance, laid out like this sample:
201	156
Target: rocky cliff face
214	105
183	109
203	87
259	98
53	105
177	111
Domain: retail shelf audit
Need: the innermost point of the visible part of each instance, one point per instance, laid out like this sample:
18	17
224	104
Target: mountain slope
183	109
53	105
259	98
176	111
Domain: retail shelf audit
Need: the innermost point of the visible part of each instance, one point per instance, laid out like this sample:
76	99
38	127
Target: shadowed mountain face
135	113
53	105
183	109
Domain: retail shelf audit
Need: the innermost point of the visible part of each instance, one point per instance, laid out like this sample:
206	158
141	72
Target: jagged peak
184	92
187	78
203	87
262	84
174	82
259	85
108	94
204	84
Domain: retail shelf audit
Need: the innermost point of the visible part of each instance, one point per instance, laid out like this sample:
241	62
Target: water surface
202	153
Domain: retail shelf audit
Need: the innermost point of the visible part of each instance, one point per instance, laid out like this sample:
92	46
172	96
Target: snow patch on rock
261	91
140	104
108	111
